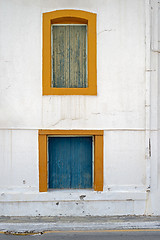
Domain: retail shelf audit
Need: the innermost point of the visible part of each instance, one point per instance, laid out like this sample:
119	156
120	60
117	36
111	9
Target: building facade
89	146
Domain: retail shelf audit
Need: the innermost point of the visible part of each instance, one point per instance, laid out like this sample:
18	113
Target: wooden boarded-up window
69	60
70	162
66	159
69	56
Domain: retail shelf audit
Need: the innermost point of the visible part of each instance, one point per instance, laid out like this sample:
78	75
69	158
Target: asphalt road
90	235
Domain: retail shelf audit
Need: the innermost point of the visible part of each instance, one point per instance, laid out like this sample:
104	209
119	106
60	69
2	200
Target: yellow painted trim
71	132
69	16
98	164
42	163
98	155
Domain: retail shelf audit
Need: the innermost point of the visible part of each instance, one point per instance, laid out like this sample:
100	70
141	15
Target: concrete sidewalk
41	224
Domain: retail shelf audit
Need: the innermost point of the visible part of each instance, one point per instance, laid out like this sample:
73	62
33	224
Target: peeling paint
82	197
106	30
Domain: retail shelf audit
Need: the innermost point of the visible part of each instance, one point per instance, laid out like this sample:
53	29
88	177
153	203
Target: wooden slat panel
78	63
81	162
59	163
42	163
71	132
70	162
69	63
98	164
60	57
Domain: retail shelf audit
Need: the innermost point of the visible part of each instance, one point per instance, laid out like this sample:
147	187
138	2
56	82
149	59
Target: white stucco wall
120	102
155	106
119	109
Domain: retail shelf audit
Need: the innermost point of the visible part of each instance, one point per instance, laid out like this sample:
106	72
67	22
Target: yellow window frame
98	155
69	17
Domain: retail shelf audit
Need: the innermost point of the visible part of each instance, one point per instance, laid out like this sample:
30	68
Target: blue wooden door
70	162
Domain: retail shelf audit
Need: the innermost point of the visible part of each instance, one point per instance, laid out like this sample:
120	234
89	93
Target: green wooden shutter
69	56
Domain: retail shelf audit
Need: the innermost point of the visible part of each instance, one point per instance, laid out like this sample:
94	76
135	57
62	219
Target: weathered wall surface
121	63
119	109
153	204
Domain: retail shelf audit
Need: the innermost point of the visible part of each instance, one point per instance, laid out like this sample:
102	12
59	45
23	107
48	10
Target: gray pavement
92	235
42	224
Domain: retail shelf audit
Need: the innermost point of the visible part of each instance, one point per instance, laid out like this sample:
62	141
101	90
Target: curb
42	227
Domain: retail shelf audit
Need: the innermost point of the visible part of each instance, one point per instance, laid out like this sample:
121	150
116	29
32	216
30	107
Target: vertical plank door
70	162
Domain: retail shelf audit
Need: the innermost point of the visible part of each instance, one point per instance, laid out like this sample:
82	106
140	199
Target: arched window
69	53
